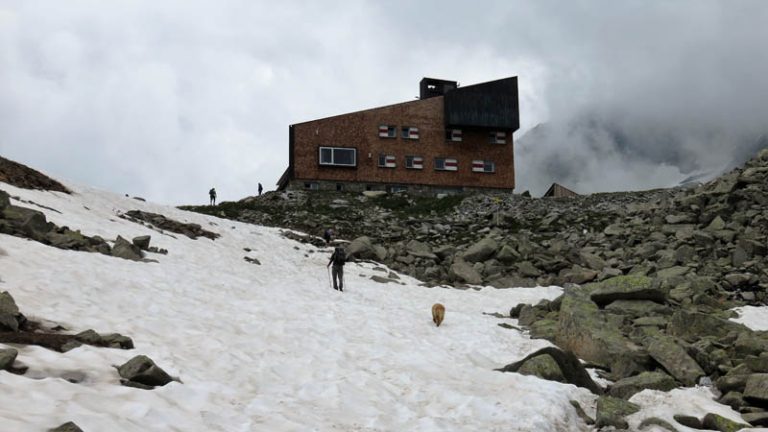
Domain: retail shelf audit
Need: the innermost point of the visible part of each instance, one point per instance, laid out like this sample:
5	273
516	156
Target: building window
497	137
338	156
483	166
446	164
387	161
414	162
397	188
408	132
453	135
311	185
386	131
339	187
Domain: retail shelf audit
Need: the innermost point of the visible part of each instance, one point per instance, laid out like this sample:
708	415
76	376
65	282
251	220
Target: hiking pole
330	284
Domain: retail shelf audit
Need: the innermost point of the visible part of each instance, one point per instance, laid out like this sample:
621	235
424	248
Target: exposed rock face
24	177
163	223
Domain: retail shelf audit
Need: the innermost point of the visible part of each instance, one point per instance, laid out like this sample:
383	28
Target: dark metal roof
492	105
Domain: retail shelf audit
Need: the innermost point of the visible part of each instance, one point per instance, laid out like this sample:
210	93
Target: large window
338	156
453	135
497	137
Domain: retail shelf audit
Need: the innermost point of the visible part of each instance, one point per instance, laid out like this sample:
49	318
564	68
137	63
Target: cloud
167	99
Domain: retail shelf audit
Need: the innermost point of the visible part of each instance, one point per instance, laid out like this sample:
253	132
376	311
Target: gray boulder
692	326
126	250
66	427
675	360
10	317
628	287
142	370
7	357
759	419
362	248
626	387
719	423
756	390
142	242
420	250
463	272
611	412
481	250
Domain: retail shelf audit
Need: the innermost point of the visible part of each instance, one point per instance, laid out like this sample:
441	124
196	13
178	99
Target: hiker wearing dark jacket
212	194
338	258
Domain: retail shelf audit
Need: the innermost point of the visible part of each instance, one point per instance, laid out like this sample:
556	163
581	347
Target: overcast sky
165	99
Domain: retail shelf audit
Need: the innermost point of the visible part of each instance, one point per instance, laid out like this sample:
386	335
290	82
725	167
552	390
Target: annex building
451	139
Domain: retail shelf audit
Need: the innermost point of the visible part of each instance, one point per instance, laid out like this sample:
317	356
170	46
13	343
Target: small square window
408	132
387	131
339	186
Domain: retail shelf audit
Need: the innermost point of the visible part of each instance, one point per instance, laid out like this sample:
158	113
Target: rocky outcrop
66	427
25	177
163	223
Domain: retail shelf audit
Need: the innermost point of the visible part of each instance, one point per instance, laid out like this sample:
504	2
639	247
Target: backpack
339	257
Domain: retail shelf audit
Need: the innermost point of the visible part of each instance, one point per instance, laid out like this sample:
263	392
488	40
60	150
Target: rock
659	423
722	424
756	390
717	224
611	412
116	340
751	343
526	269
382	279
7	357
584	330
141	369
566	366
444	252
759	419
507	254
730	383
638	308
463	272
733	399
675	360
10	317
66	427
252	260
692	326
420	250
142	242
481	250
626	387
362	248
627	288
544	367
123	249
592	261
688	421
672	272
580	412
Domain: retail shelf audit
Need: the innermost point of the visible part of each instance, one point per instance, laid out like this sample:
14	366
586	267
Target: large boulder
66	427
719	423
626	387
675	360
142	242
611	411
126	250
463	272
630	287
10	317
420	250
557	365
756	390
481	251
584	330
142	370
692	326
362	248
7	357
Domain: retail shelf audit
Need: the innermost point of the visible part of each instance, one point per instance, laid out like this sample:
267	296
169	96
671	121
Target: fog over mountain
165	100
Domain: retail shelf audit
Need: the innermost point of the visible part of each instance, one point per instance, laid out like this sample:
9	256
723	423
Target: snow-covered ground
270	347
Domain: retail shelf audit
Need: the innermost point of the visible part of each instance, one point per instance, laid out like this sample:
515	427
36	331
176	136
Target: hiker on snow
338	258
328	235
212	194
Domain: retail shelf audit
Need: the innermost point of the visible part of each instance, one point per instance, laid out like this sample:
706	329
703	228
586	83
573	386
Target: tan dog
438	313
